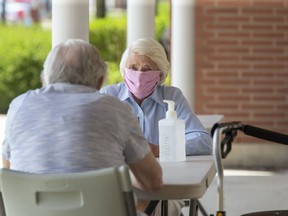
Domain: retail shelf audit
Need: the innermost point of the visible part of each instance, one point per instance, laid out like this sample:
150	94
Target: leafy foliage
23	51
22	54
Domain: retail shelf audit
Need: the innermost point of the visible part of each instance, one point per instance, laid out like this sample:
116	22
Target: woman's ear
161	76
100	82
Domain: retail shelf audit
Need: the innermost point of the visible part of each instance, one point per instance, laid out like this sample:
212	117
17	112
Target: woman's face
141	63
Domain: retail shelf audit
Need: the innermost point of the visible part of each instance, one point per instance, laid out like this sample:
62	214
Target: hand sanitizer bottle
171	136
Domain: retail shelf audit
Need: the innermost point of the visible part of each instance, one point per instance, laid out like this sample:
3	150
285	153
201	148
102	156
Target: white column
70	19
140	19
182	47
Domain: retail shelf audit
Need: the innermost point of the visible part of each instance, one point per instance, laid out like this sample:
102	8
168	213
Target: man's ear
100	82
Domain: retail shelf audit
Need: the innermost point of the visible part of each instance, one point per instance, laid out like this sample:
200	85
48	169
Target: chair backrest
104	192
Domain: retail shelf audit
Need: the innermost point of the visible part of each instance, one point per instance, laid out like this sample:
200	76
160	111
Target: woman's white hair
74	61
150	48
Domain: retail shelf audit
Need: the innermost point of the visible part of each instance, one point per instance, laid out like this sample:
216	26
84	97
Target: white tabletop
184	180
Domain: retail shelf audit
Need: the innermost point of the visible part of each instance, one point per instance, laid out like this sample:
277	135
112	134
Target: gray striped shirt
70	128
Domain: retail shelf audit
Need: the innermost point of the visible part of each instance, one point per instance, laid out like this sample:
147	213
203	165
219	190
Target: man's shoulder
113	89
20	98
110	100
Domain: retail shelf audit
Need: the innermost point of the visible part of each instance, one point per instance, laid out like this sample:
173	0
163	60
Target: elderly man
68	126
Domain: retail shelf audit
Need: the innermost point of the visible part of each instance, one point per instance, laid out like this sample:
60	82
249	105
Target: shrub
22	54
109	36
23	51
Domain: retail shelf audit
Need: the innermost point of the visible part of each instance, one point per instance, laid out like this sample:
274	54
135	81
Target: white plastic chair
104	192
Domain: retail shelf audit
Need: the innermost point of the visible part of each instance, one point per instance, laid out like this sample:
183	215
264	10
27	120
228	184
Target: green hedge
109	36
23	51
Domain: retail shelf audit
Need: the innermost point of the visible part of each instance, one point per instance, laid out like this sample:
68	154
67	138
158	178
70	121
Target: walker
222	147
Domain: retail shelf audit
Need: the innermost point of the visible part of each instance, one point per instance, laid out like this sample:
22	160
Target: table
209	120
184	180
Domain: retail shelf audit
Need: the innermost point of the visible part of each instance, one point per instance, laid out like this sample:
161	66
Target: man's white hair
150	48
74	61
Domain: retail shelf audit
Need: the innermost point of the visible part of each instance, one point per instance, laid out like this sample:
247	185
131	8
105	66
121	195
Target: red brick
219	90
255	27
283	90
257	107
206	2
257	92
274	35
233	19
208	65
214	74
221	10
256	58
256	11
265	124
221	26
257	74
270	98
234	50
269	19
282	27
269	66
268	115
256	42
234	82
282	11
258	50
268	51
221	58
234	35
282	58
268	82
206	19
235	116
222	106
232	98
282	76
233	3
268	3
233	66
221	42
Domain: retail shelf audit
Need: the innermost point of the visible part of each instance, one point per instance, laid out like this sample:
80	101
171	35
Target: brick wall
242	62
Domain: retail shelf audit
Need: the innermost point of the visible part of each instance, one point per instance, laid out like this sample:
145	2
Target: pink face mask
141	84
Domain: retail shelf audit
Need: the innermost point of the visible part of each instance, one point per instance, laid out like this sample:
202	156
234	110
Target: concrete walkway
248	191
244	191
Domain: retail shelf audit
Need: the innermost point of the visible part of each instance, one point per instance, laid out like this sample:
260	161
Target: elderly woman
144	67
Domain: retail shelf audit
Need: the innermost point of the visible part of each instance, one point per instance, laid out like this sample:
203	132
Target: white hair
150	48
74	61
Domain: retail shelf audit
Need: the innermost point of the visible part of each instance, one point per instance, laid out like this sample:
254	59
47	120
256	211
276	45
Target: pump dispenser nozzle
171	113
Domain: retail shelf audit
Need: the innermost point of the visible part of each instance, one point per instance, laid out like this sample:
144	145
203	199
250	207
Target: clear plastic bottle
171	136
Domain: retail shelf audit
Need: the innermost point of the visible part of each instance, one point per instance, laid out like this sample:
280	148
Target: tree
100	8
3	13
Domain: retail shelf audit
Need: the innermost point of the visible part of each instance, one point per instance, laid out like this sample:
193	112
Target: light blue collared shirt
153	109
